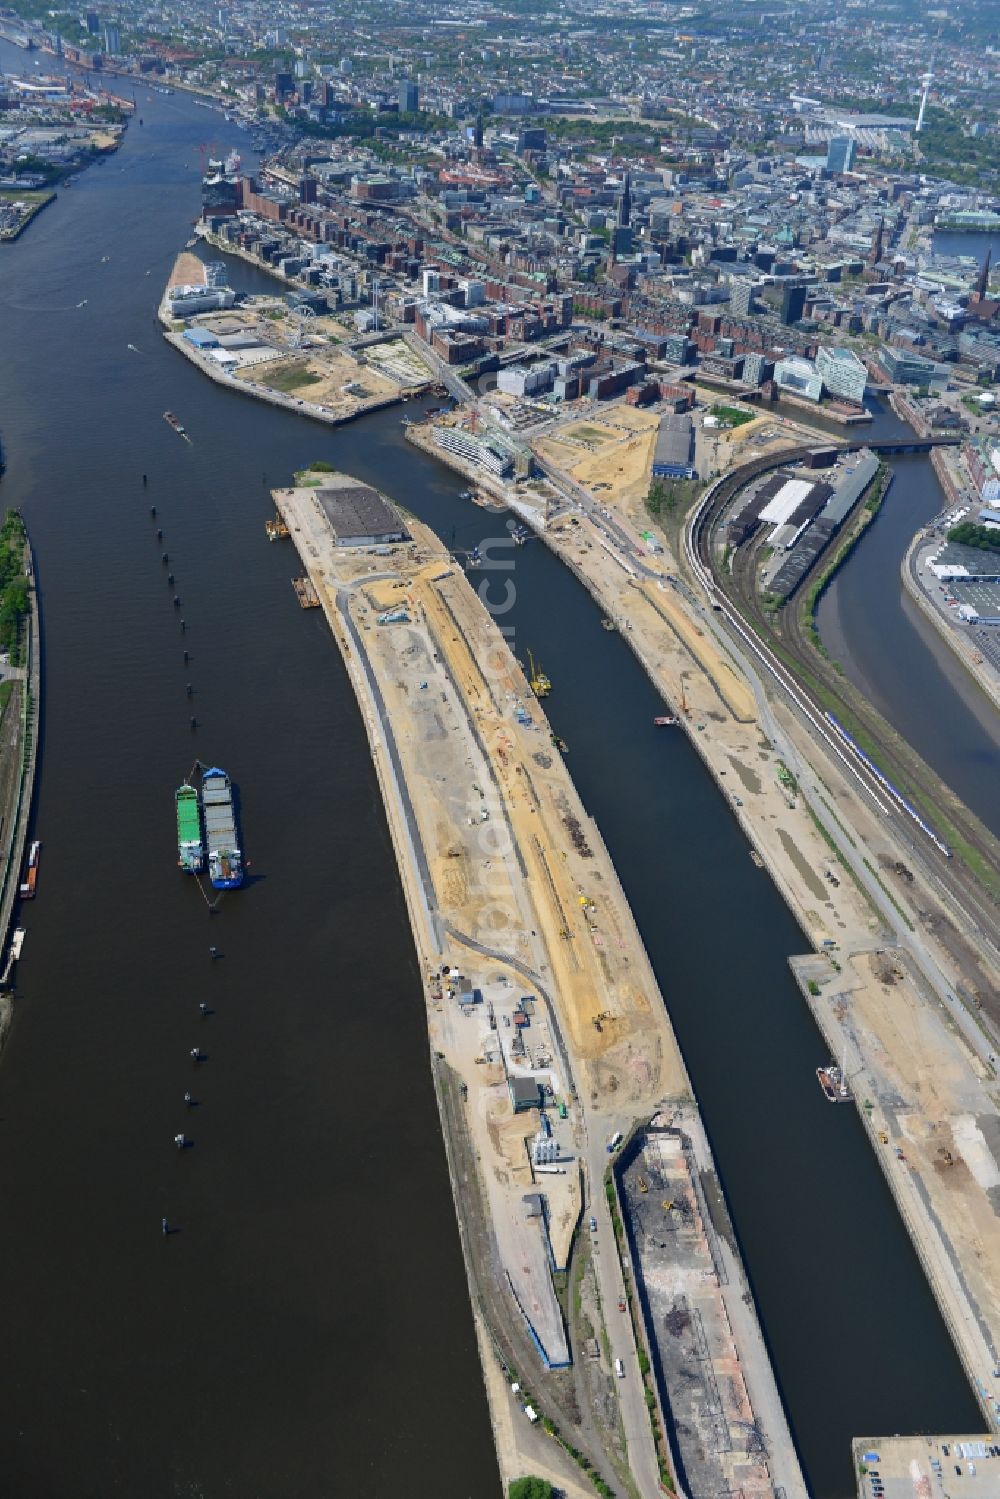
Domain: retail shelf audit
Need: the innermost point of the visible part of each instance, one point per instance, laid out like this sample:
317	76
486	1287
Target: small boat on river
832	1081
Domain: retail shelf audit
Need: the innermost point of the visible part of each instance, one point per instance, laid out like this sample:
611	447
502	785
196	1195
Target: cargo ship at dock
27	888
225	861
190	841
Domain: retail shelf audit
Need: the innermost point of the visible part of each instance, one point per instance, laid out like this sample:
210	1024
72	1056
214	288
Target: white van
619	1368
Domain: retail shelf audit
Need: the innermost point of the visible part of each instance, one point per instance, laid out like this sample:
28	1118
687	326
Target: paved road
639	1437
911	942
611	1287
758	660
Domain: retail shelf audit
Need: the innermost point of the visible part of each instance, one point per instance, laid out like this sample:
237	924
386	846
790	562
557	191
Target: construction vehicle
643	1184
537	680
883	1137
667	1204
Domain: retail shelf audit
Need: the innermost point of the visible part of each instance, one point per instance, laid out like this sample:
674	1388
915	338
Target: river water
307	1331
895	655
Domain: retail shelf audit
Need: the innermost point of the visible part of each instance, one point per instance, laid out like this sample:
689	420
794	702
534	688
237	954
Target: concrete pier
539	990
20	748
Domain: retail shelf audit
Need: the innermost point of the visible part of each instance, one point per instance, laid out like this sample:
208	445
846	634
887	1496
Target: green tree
530	1488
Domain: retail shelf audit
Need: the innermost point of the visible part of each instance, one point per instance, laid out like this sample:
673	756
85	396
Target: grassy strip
888	893
733	415
296	377
834	848
838	822
583	1462
818	587
982	870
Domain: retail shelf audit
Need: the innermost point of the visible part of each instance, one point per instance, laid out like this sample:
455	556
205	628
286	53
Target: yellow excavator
537	680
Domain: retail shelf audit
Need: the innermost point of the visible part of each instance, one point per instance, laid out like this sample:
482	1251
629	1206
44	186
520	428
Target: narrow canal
307	1330
895	655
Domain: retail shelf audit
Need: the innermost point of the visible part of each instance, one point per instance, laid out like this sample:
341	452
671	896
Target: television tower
926	80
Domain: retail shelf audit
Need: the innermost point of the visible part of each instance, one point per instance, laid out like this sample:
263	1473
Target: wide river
307	1332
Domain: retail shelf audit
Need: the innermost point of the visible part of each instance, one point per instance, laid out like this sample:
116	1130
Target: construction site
682	1281
549	1034
288	354
920	1050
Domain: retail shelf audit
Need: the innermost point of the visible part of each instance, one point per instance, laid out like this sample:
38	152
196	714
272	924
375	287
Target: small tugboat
519	535
172	421
755	856
560	744
608	624
665	721
834	1085
276	529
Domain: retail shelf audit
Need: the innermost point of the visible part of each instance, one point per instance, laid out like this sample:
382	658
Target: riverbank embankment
19	776
959	641
35	203
341	386
510	890
923	1153
265	393
840	874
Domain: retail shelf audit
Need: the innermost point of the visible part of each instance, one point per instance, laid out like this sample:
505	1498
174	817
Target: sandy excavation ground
932	1097
332	379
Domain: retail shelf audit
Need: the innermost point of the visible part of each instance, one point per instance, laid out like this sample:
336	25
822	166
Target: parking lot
961	1467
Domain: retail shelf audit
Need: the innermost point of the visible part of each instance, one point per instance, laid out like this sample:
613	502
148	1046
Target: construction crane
537	680
205	149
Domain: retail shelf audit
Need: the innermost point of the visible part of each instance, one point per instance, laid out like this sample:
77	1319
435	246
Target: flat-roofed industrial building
359	516
672	458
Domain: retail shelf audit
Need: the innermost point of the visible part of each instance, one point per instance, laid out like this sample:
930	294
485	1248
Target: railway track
787	658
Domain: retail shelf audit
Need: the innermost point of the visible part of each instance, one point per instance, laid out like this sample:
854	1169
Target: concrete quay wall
27	749
947	1290
272	397
532	519
764	1394
963	650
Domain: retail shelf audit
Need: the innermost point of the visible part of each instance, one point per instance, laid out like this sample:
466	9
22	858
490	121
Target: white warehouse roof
777	511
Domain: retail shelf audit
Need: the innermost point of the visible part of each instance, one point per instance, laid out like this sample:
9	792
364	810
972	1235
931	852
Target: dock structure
524	935
18	812
305	593
533	1292
686	1290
